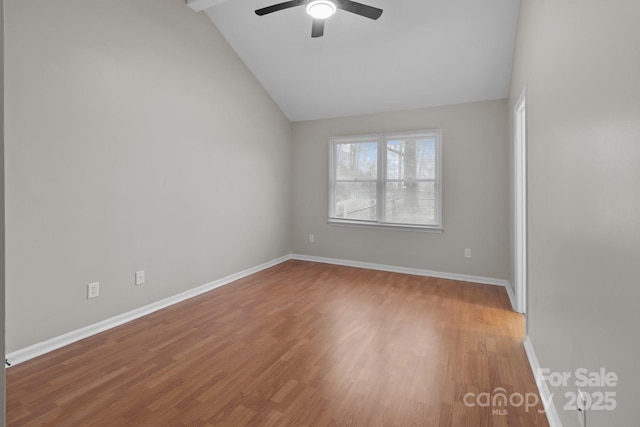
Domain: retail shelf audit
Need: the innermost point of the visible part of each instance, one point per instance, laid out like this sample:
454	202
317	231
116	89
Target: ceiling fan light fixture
321	9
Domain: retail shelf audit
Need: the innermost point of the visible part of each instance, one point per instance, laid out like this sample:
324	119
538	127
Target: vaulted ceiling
419	53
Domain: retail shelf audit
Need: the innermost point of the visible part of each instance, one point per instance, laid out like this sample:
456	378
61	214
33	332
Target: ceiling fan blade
317	28
280	6
359	9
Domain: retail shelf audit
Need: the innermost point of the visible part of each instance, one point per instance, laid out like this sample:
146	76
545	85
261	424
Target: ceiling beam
200	5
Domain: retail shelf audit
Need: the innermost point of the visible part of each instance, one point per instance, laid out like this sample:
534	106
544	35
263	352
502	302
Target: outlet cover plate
93	290
139	277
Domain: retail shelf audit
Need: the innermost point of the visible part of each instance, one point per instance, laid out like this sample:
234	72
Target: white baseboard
543	388
55	343
512	297
406	270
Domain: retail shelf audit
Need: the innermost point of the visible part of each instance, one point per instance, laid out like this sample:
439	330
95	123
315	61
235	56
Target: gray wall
580	61
475	181
135	139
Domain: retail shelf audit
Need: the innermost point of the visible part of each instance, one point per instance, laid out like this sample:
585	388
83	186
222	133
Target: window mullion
382	178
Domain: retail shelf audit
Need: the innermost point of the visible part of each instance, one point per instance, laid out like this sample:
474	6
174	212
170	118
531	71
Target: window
391	180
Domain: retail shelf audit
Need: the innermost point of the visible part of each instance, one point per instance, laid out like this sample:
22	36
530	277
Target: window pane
411	202
357	160
411	158
355	200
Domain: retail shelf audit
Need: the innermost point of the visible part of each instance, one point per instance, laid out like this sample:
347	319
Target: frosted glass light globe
321	9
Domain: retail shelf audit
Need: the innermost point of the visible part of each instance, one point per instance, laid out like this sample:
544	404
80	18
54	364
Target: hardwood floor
299	344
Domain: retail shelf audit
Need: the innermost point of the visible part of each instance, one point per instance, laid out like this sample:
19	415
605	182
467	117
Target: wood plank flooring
299	344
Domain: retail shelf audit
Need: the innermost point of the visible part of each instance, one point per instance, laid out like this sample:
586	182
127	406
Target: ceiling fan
323	9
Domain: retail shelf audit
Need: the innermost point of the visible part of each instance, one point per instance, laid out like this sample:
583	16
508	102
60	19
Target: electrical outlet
93	290
140	277
312	238
467	253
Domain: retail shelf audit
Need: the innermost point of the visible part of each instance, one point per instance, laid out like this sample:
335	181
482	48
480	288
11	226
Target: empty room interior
320	213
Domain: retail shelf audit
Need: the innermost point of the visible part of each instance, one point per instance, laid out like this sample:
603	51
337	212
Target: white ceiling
420	53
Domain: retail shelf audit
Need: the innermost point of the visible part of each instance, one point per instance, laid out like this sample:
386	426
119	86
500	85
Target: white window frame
381	181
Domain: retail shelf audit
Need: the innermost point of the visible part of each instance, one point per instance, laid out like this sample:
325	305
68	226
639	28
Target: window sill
383	226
